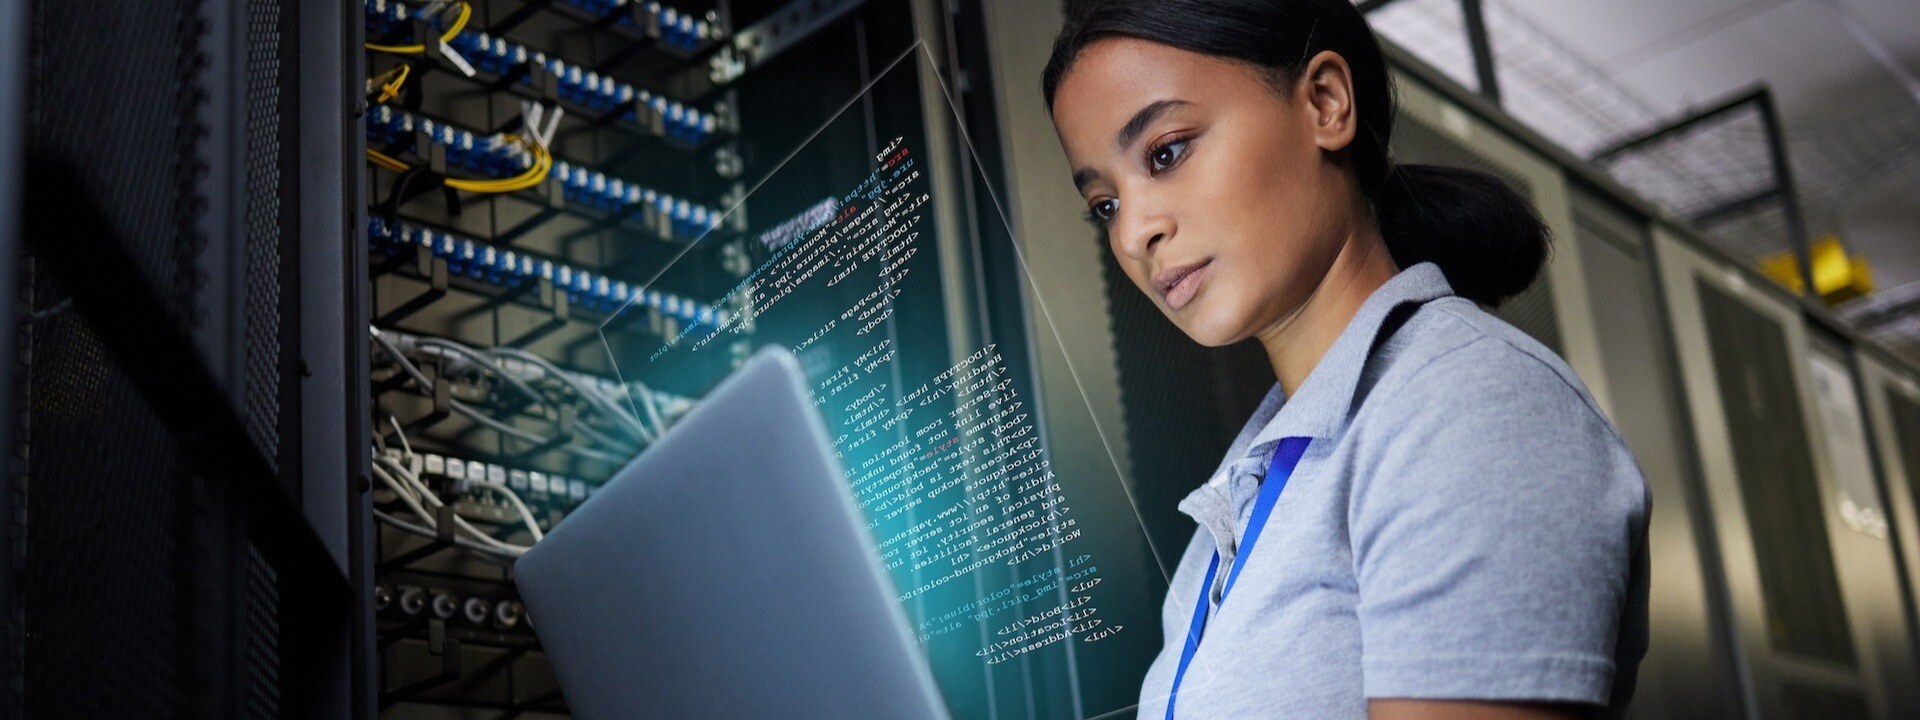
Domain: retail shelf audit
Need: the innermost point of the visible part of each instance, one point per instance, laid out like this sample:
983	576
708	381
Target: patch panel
681	31
578	86
496	155
507	268
390	19
585	88
458	479
488	155
673	27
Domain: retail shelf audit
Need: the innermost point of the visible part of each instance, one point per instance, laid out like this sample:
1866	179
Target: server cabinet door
1869	568
1744	363
1892	400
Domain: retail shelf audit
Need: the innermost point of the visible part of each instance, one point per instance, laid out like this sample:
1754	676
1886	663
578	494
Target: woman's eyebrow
1131	131
1081	178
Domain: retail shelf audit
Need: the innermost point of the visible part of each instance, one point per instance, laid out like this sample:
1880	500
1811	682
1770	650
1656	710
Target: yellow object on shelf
1837	277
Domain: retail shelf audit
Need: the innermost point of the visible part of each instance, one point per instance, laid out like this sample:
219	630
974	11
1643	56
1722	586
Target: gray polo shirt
1464	524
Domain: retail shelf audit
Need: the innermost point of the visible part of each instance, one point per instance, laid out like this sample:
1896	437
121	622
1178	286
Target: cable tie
454	57
545	137
530	113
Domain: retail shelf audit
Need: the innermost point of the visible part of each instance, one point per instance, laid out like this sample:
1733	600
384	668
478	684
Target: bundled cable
421	381
605	403
404	482
647	431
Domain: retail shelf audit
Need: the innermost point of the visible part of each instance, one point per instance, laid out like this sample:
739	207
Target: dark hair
1488	239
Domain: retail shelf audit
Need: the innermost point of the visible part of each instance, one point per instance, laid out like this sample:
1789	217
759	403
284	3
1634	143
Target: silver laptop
727	573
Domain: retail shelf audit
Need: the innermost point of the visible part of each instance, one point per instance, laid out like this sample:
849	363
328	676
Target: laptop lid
727	572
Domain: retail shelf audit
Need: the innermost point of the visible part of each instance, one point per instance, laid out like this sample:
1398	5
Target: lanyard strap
1285	456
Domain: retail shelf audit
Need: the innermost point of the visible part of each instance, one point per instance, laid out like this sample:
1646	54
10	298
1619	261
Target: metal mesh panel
1715	162
263	224
1433	30
113	93
1774	465
14	522
104	592
105	545
260	634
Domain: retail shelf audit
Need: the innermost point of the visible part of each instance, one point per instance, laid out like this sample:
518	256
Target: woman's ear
1327	87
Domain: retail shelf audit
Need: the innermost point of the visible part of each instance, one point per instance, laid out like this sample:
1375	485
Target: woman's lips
1179	285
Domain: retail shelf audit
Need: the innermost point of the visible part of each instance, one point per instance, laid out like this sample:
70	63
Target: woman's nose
1139	235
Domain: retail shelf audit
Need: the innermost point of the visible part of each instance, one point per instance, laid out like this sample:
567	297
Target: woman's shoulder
1468	403
1452	358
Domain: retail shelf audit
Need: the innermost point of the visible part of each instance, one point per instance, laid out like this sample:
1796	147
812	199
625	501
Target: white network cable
593	396
475	414
429	344
412	492
405	482
648	430
526	516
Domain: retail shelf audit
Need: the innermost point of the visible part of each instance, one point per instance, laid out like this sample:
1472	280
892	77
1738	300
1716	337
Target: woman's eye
1102	212
1166	155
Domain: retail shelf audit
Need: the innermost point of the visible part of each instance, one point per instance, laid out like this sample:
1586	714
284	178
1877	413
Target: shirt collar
1323	404
1320	408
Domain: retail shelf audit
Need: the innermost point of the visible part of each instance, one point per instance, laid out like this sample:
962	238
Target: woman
1428	517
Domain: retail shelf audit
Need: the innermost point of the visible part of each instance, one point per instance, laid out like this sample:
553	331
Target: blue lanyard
1279	469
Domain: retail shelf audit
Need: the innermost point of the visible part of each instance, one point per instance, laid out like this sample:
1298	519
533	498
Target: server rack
444	636
621	120
1817	607
1863	542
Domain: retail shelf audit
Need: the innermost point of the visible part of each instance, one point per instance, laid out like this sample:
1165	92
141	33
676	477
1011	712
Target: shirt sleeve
1494	527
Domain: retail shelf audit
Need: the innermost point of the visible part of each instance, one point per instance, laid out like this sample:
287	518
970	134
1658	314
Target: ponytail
1486	238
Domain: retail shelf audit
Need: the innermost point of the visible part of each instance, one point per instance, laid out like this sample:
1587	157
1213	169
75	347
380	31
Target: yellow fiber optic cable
391	88
459	23
534	175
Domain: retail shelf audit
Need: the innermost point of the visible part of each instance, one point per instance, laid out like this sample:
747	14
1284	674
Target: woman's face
1223	196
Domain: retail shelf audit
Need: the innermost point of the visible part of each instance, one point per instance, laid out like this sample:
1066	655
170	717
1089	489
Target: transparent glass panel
1034	593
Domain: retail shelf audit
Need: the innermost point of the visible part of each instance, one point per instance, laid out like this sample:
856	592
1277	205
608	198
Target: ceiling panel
1617	28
